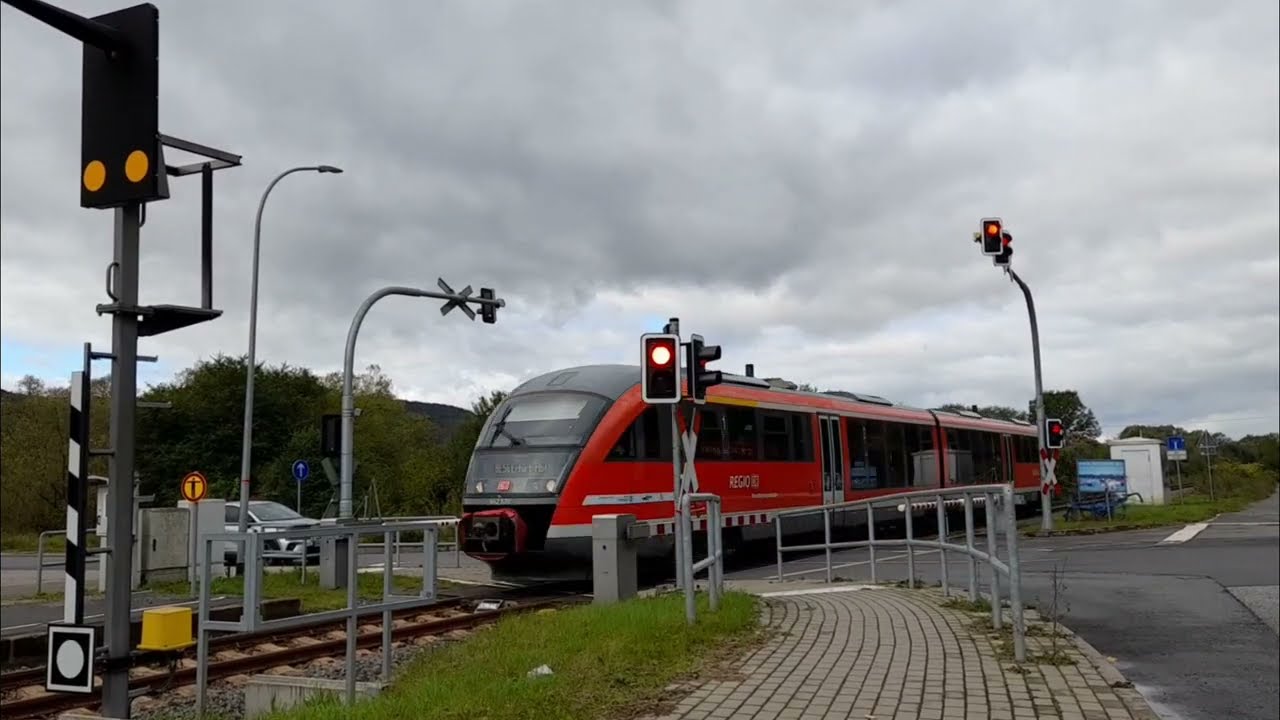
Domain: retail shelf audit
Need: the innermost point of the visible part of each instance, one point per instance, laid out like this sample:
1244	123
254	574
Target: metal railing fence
990	496
713	563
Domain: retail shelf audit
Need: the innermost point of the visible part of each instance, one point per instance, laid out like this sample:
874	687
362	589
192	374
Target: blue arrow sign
301	470
1176	443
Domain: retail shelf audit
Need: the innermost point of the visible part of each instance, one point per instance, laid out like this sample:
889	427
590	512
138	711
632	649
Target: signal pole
1001	253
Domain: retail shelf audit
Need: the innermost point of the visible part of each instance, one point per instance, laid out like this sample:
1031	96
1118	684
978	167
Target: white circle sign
70	658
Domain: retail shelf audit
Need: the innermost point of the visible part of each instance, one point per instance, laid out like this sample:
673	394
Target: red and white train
578	442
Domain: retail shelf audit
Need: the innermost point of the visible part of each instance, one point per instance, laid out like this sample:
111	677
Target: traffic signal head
660	368
992	236
697	356
120	156
488	312
1054	433
1006	252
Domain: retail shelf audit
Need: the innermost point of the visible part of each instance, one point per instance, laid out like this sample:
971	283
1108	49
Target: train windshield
543	419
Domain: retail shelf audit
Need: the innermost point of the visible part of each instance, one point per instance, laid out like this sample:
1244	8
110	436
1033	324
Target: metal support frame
251	619
908	503
713	563
458	299
1046	470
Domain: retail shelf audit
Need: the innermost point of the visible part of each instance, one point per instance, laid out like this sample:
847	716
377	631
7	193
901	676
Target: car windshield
273	511
550	419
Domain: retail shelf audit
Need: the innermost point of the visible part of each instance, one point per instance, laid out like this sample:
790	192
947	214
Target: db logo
504	486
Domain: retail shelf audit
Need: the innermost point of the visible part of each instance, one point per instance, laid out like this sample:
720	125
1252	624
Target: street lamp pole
246	450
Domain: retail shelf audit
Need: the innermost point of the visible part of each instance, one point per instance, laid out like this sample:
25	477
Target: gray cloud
782	180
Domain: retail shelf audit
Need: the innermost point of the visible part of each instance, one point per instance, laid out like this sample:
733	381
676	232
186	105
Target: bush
1246	481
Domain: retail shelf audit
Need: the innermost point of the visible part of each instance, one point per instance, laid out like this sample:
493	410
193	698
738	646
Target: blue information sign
301	470
1176	443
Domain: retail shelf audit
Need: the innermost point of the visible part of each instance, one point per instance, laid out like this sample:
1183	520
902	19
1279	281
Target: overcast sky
797	181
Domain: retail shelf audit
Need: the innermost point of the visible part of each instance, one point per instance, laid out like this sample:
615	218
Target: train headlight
551	486
480	486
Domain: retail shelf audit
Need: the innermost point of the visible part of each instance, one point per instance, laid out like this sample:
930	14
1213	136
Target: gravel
225	701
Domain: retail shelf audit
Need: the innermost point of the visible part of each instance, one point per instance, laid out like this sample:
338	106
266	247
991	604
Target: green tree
1076	417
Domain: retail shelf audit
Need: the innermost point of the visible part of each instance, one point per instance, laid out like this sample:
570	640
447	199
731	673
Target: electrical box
166	628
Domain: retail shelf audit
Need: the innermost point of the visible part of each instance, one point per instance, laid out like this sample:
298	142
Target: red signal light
660	354
993	229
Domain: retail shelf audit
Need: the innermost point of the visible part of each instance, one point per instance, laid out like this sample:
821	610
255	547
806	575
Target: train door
1007	458
832	460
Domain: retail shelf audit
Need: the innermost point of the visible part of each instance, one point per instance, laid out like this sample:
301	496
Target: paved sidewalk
888	653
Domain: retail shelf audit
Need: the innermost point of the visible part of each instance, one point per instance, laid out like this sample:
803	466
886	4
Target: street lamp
247	449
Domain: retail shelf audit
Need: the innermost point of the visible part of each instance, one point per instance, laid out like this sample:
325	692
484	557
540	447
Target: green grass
289	584
27	541
609	661
1187	509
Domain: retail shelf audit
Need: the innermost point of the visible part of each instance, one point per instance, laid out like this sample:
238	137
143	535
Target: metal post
777	527
387	567
826	535
968	542
77	500
871	538
246	450
202	639
911	547
124	394
1015	576
352	625
1177	464
942	551
991	552
713	544
1046	509
193	509
677	525
690	586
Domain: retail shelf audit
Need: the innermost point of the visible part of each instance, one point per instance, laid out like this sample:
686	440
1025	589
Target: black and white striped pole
77	499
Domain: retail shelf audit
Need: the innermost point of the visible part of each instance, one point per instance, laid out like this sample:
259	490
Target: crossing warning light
698	354
120	157
992	236
1006	252
660	375
1054	433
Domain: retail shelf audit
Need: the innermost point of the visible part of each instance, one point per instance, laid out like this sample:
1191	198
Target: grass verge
25	542
609	661
1191	509
289	584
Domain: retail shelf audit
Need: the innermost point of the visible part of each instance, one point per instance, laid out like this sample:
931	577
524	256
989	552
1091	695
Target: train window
801	437
741	433
894	456
867	467
776	436
645	438
959	457
1027	450
922	462
986	457
710	436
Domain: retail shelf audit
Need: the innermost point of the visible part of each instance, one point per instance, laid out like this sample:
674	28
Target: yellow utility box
166	628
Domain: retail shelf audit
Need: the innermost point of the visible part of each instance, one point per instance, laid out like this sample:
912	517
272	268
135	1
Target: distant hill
446	417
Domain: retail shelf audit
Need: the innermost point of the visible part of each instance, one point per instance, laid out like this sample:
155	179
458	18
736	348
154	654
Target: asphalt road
1191	622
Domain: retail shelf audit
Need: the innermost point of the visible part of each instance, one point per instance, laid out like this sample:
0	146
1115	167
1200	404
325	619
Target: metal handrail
905	502
40	566
713	563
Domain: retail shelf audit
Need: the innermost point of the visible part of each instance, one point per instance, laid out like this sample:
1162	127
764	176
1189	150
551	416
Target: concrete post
613	559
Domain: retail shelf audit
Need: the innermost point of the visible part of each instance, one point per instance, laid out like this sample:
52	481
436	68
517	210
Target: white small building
1144	466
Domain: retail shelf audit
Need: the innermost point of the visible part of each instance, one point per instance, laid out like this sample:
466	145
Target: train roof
613	381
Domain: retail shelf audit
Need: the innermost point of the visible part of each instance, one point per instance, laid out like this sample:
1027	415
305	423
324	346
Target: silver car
266	515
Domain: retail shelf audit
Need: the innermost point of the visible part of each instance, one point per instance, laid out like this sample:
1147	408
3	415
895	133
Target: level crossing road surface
1189	614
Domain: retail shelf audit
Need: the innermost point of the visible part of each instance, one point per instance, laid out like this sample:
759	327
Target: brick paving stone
883	652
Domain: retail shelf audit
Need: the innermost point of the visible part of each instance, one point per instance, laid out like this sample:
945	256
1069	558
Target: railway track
24	695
